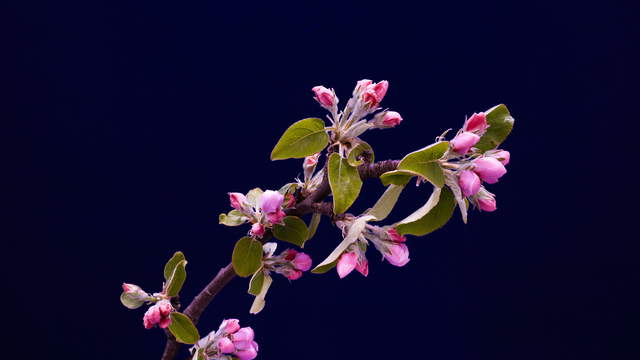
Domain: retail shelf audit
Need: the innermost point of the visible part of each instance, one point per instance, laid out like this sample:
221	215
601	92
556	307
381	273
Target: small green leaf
289	188
258	302
354	231
386	202
255	284
176	280
171	264
233	218
183	329
253	196
247	256
433	215
397	177
131	301
362	148
313	224
425	162
293	231
345	183
303	138
500	125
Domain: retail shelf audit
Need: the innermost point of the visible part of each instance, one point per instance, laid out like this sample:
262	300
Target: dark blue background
130	121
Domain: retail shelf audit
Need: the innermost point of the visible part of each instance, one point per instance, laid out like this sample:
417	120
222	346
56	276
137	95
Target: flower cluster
229	342
264	212
365	100
290	263
386	240
473	168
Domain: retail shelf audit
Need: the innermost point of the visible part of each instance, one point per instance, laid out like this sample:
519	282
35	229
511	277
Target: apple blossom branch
312	203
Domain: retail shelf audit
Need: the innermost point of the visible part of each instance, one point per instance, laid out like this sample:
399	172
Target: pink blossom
398	254
476	123
289	254
324	96
247	354
311	160
503	156
363	266
346	264
293	274
463	142
270	201
387	119
244	334
302	262
257	230
469	182
395	235
276	217
486	201
361	86
374	93
226	346
237	200
158	314
230	326
489	169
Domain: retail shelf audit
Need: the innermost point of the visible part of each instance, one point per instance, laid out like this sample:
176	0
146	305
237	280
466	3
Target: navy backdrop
130	121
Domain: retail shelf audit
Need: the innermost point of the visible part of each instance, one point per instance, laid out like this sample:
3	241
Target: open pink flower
270	201
489	169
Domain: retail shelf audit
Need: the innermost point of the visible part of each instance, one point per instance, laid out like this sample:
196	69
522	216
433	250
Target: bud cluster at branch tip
229	342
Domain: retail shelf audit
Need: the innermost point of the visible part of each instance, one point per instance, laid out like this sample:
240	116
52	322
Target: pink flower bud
248	354
290	201
346	264
398	254
463	142
374	93
361	86
237	200
363	266
255	345
230	326
324	96
289	254
391	119
158	314
476	123
489	169
130	288
503	156
302	262
381	89
245	334
257	230
165	307
486	201
395	235
226	346
312	160
276	217
293	274
469	182
270	201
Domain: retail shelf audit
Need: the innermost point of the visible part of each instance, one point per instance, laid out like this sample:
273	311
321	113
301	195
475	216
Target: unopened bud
324	96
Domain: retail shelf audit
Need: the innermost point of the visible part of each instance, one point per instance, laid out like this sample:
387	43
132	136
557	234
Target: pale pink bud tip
270	201
476	123
257	230
395	235
226	346
130	288
489	169
346	264
237	200
469	183
230	326
398	255
391	119
487	204
324	96
463	142
302	262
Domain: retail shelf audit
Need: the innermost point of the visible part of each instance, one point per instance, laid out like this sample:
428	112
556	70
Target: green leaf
289	188
258	302
303	138
131	301
386	202
253	196
255	284
397	177
233	218
247	256
425	162
362	148
176	280
500	125
433	215
352	235
345	183
313	224
183	329
171	264
293	231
